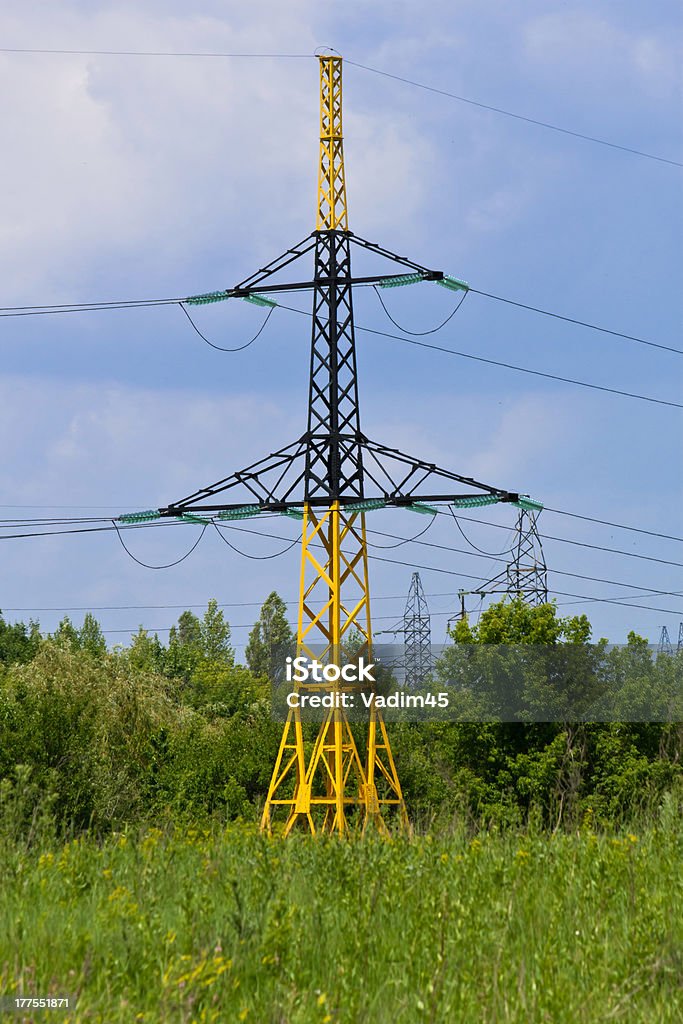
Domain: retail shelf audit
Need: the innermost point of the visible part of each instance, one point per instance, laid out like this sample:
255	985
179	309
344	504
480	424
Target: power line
402	540
470	519
524	369
559	572
566	540
168	565
81	307
352	63
433	330
189	607
576	515
152	53
497	362
517	117
618	526
85	307
560	593
221	348
579	323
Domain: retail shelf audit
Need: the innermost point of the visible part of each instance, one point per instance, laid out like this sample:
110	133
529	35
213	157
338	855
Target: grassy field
225	925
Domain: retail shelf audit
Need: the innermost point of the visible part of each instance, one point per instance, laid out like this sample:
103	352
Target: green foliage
91	637
155	731
514	622
18	644
271	630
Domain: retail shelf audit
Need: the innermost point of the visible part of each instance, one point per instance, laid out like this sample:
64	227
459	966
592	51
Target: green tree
184	647
146	653
66	634
271	629
91	637
514	622
214	635
18	644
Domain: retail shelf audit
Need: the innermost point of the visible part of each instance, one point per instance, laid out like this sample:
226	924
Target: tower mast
336	777
323	480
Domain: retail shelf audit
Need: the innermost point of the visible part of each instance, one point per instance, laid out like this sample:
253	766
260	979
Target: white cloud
591	51
110	443
144	162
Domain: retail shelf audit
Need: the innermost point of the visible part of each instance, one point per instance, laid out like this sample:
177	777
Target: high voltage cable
568	540
168	565
254	604
497	362
401	541
433	330
471	519
559	572
524	369
221	348
187	607
518	117
257	558
561	593
152	53
618	526
579	323
620	602
363	67
408	341
83	307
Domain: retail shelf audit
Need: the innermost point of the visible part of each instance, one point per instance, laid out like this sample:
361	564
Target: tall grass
226	925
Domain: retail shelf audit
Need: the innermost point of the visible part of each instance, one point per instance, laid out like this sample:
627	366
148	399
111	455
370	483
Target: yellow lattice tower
333	785
332	211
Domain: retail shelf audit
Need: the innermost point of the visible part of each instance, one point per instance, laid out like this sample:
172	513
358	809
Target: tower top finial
332	212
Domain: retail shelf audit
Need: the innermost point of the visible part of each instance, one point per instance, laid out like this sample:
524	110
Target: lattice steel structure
329	478
665	646
526	573
417	635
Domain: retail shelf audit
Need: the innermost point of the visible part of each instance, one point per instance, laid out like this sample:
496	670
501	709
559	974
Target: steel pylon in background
417	635
329	478
665	646
526	573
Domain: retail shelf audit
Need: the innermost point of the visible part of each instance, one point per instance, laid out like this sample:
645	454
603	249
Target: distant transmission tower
665	646
526	574
679	645
417	632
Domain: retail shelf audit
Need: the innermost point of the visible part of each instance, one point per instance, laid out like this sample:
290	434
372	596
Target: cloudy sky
134	177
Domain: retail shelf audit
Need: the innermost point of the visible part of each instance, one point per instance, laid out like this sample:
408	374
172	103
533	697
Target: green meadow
542	883
223	924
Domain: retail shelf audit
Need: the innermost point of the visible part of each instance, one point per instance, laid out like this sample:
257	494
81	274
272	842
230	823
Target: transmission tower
526	574
417	635
665	646
329	479
679	645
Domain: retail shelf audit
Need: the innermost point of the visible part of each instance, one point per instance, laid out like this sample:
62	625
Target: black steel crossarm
260	484
401	482
240	292
336	274
300	473
289	256
379	250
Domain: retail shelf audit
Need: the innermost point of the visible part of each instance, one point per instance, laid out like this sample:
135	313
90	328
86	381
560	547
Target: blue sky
142	177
